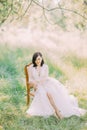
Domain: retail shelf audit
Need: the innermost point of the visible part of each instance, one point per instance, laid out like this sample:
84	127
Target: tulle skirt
67	104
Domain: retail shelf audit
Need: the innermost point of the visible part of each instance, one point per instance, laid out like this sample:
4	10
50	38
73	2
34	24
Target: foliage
61	13
12	9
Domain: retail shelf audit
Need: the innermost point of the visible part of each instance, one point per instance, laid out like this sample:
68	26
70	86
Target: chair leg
28	99
28	96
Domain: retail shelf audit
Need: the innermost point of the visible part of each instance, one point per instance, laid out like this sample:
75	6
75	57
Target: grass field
13	90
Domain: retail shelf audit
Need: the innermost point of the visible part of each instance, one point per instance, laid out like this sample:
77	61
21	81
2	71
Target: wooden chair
28	85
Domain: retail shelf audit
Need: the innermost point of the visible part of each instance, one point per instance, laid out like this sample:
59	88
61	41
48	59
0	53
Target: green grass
75	61
13	95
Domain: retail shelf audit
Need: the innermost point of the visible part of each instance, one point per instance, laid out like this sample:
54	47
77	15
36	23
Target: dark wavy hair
35	55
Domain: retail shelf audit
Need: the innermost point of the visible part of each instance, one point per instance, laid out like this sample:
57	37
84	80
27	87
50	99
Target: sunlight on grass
77	62
4	97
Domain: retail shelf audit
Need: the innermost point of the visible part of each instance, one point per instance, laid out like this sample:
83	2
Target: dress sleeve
31	79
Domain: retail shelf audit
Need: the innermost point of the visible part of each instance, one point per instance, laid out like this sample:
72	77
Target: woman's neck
38	66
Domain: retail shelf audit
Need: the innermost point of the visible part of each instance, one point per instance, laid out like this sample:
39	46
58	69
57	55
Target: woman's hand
34	85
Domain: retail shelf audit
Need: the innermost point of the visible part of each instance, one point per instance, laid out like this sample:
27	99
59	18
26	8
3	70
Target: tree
54	11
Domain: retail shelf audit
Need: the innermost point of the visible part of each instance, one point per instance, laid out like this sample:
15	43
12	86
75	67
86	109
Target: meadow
13	89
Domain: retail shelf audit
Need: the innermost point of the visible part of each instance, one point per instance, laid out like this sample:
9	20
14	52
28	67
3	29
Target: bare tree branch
44	14
58	8
29	5
42	6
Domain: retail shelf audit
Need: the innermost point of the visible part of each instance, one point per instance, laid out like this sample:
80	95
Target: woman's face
38	60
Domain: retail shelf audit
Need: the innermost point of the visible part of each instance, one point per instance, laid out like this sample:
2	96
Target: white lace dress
40	106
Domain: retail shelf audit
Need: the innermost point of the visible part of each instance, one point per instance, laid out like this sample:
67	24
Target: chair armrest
31	85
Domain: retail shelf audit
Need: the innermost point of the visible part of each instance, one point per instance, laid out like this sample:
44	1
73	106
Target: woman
51	97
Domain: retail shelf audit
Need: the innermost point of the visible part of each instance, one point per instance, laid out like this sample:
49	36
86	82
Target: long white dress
40	106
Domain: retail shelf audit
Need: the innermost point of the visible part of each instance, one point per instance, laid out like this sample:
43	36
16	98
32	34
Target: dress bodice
37	75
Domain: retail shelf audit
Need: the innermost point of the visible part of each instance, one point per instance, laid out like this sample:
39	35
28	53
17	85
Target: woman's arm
31	80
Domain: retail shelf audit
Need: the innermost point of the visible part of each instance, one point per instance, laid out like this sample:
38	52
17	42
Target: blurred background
56	28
